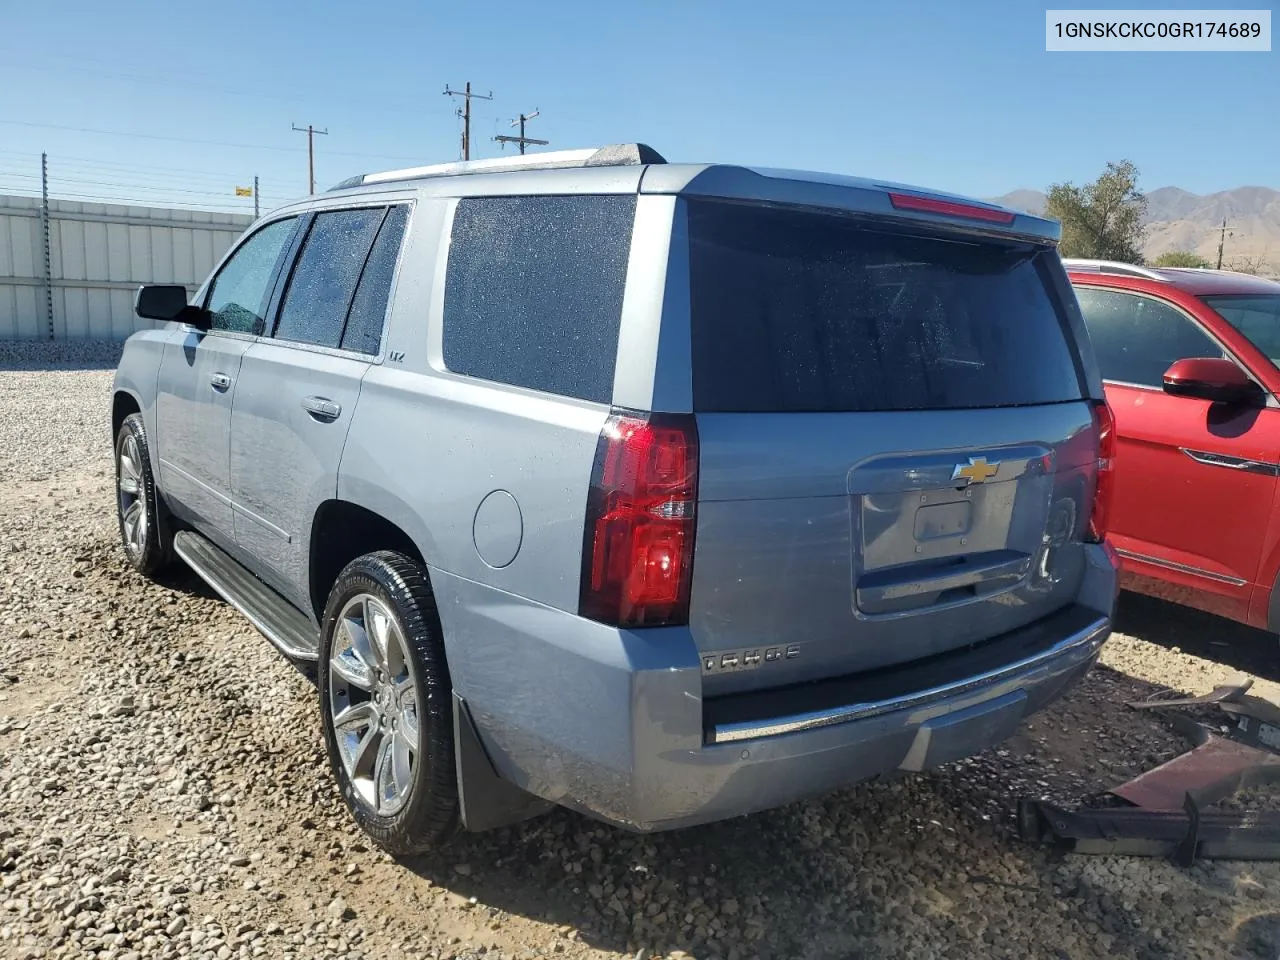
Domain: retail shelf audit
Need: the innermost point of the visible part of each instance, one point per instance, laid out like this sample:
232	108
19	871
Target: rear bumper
613	723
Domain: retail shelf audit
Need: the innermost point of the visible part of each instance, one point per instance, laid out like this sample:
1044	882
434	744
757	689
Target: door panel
1194	489
1195	481
193	416
298	393
292	412
197	383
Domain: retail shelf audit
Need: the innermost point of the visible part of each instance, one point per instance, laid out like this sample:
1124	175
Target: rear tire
386	703
144	529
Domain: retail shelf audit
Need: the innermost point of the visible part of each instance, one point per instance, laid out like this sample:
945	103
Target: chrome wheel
132	496
374	696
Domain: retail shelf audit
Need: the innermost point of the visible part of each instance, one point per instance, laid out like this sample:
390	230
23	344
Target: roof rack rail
615	155
1113	268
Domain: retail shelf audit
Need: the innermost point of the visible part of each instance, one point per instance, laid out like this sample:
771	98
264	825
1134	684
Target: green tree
1181	258
1101	220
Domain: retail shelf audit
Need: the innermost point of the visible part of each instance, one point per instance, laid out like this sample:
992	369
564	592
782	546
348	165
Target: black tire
149	548
429	814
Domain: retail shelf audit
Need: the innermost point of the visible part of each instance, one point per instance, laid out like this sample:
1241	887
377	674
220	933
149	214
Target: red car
1189	362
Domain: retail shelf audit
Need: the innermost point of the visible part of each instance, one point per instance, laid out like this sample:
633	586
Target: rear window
797	311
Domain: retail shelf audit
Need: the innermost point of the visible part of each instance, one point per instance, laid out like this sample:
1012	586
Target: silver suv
664	492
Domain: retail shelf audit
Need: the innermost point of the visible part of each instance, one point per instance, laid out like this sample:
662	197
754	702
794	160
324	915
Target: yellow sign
244	191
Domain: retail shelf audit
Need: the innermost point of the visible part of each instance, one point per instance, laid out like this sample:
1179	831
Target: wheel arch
342	530
123	403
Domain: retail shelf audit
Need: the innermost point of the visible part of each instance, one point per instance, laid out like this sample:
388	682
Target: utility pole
255	197
522	139
1222	242
465	113
311	132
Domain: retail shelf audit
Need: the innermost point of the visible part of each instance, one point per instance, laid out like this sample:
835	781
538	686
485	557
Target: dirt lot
163	793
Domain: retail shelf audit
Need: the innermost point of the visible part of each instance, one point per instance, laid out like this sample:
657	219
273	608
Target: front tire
144	532
386	703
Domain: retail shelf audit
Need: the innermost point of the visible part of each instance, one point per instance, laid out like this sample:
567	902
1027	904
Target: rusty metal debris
1161	813
1224	694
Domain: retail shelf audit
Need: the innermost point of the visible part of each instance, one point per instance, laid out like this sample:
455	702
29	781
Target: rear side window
1136	338
533	295
325	276
363	332
796	311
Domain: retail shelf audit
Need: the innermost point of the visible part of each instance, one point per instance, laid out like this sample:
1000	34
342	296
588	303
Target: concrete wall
99	254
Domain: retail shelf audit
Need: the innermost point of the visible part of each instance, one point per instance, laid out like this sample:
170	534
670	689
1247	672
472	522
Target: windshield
1256	317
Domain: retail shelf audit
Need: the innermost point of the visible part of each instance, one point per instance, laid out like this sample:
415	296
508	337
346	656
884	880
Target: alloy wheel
374	699
132	498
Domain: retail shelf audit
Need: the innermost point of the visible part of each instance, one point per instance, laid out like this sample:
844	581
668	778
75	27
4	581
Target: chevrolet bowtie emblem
977	470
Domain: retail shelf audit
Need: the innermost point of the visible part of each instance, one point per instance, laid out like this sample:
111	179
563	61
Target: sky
180	102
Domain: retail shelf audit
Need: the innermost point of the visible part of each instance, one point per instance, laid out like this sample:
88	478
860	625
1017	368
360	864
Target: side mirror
168	302
1210	378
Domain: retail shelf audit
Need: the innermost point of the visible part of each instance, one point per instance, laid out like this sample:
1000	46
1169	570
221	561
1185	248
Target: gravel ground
163	790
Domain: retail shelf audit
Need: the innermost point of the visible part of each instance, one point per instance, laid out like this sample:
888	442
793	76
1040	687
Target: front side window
1137	338
324	279
533	295
237	298
1257	318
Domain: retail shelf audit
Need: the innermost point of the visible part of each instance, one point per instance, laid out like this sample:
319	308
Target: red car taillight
1105	425
637	550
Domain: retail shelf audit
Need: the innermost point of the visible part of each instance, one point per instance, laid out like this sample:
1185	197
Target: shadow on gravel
181	579
1231	644
920	865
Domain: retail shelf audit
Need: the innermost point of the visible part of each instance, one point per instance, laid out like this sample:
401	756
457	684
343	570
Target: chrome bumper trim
1089	639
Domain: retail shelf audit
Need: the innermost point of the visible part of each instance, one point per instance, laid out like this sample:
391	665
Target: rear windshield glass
798	311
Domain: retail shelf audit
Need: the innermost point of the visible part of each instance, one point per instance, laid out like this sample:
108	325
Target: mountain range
1180	220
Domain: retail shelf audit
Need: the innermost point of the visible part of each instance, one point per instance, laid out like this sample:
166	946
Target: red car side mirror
1210	378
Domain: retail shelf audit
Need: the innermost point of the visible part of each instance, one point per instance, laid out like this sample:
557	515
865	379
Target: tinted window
325	276
1256	317
363	332
238	297
534	291
1136	339
797	311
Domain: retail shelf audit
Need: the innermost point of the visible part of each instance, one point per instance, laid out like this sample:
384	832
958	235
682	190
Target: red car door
1195	481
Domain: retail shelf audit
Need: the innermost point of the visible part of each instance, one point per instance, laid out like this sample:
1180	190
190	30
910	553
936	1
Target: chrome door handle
321	408
220	382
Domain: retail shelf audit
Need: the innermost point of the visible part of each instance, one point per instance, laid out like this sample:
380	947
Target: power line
467	96
140	202
161	188
63	161
311	132
214	143
522	139
303	95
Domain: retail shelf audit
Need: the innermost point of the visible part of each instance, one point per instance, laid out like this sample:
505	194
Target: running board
286	627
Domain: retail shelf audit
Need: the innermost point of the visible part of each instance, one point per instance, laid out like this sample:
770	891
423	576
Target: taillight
1105	425
637	550
948	208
